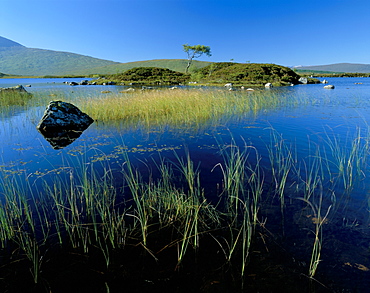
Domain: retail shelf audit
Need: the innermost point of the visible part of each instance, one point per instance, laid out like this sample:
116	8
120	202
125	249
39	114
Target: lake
312	215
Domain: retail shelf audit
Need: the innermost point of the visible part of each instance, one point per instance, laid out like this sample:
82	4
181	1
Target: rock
27	85
129	90
18	88
228	84
268	85
324	81
73	83
174	88
303	80
84	82
60	114
329	86
63	123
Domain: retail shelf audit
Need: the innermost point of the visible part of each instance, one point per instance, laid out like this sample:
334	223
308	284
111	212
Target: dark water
340	114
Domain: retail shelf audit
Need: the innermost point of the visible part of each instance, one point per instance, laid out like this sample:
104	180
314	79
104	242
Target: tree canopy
195	52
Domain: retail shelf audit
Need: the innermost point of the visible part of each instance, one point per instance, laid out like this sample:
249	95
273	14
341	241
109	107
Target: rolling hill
17	59
172	64
337	67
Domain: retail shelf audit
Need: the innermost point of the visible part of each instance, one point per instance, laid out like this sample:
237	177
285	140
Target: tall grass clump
20	221
241	192
180	107
320	217
14	98
283	160
161	205
349	156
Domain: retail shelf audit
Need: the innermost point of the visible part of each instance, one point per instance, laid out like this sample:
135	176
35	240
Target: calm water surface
334	115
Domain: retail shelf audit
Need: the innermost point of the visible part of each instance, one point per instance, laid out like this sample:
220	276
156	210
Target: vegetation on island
148	75
250	74
246	74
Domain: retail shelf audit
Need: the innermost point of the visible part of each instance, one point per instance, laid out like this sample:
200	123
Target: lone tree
195	52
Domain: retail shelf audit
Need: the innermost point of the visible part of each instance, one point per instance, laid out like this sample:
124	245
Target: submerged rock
329	86
63	123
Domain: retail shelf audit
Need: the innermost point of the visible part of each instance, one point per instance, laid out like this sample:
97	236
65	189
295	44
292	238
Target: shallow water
337	114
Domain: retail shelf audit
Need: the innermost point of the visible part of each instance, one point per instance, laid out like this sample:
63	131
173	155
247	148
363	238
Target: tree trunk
187	66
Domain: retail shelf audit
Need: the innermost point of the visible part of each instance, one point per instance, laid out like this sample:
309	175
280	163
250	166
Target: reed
316	170
180	107
14	98
20	222
320	218
234	177
82	208
349	156
242	189
282	160
141	214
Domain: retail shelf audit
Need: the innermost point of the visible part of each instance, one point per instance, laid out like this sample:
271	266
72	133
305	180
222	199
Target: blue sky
285	32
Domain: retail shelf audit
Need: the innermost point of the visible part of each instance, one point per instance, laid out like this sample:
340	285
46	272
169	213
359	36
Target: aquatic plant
349	156
182	107
319	219
282	160
14	98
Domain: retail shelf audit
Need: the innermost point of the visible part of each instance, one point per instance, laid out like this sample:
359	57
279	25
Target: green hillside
16	59
173	64
26	61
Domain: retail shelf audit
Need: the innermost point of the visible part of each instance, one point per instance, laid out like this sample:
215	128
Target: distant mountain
17	59
338	67
6	43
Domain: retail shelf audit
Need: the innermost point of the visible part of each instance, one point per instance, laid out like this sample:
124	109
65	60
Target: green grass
14	98
186	108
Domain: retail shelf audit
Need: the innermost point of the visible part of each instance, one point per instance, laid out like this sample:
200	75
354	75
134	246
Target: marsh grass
14	98
181	107
160	203
349	156
82	209
241	192
320	218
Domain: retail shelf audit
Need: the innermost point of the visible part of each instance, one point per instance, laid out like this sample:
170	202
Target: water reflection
60	138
